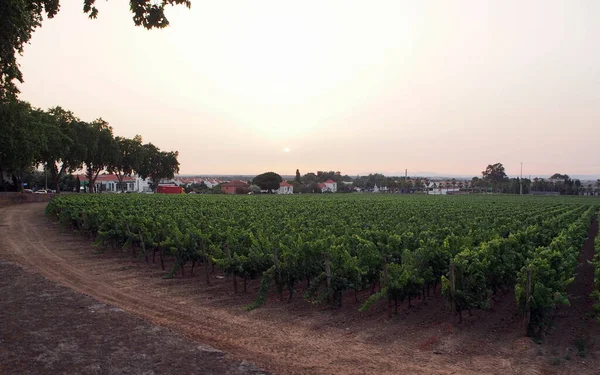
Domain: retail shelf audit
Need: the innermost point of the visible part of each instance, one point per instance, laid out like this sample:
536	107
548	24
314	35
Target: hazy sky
354	86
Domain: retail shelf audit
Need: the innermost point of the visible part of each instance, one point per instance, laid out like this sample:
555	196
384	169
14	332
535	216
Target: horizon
431	175
273	86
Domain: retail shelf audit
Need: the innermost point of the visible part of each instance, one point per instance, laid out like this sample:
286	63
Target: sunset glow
358	87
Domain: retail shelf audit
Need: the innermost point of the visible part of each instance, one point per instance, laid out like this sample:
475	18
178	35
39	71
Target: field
324	284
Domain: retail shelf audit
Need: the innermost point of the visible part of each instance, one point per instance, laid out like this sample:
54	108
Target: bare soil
296	337
50	329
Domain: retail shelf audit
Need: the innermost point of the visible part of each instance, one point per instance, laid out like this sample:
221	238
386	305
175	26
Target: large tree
64	152
268	181
100	149
20	18
127	158
21	140
157	165
494	174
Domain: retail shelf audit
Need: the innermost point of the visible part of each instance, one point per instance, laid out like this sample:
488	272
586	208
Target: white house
109	182
330	185
439	189
285	188
142	185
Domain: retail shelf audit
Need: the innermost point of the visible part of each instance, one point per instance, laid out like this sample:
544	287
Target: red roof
105	178
285	184
330	181
235	183
322	186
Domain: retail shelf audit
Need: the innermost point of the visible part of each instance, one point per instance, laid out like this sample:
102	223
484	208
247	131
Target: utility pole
521	181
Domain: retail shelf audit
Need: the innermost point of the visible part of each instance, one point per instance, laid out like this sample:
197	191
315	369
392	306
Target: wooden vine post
130	236
384	283
235	286
328	277
205	256
452	286
527	319
143	245
278	281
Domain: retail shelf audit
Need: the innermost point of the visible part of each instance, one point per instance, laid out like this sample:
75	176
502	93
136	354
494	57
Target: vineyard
395	248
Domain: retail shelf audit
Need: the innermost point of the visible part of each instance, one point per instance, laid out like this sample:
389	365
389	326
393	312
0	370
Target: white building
285	188
142	185
331	186
109	183
434	189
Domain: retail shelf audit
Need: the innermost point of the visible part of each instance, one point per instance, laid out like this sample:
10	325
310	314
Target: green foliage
341	243
552	266
60	142
155	164
268	181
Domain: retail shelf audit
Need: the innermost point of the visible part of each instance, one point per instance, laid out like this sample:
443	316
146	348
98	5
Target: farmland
398	248
311	333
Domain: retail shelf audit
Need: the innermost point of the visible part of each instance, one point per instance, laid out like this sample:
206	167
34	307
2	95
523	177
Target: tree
268	181
255	189
494	174
63	152
100	149
309	178
298	179
20	18
127	157
21	140
157	165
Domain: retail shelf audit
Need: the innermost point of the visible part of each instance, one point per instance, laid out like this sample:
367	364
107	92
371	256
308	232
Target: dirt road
282	338
50	329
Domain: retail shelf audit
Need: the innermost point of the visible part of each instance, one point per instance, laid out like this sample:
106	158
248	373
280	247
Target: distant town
335	182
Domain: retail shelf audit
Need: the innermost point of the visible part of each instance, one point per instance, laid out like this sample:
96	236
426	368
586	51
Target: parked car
42	191
28	191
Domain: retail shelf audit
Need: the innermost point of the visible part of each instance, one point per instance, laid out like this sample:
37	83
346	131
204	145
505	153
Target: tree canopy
268	181
62	143
494	173
20	18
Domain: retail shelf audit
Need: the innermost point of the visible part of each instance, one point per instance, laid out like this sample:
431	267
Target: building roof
235	183
330	181
322	186
283	183
105	178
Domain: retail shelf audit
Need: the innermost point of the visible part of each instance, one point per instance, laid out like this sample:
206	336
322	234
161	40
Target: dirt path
49	329
281	338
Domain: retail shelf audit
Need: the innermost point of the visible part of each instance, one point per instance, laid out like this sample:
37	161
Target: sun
286	149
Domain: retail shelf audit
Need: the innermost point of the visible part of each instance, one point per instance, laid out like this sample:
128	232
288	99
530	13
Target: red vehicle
170	189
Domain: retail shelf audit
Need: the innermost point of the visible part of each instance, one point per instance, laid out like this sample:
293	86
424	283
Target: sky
352	86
